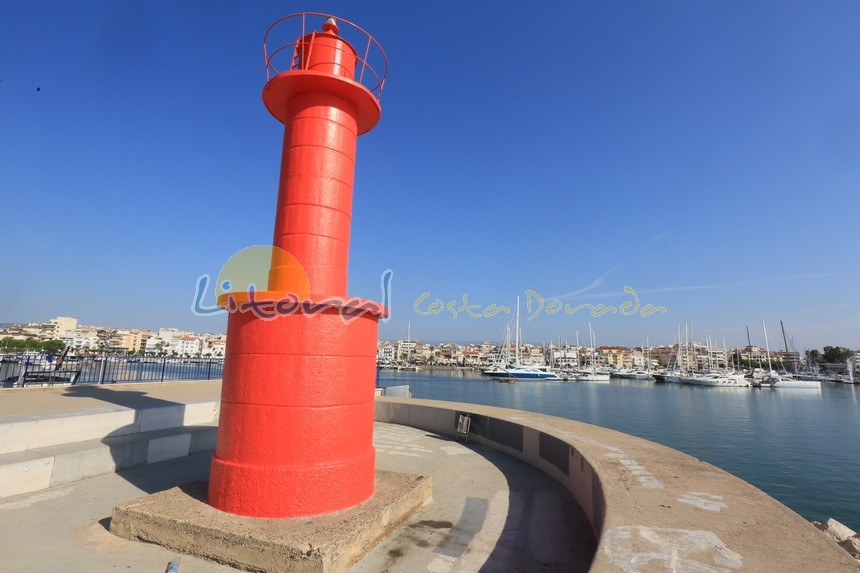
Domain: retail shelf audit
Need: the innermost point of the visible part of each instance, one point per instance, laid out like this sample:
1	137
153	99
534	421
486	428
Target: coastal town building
127	340
60	326
385	351
86	339
214	345
405	349
615	356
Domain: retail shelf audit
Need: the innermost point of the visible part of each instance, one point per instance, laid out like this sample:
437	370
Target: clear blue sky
706	154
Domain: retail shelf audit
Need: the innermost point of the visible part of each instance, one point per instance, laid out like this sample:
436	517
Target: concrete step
39	468
31	431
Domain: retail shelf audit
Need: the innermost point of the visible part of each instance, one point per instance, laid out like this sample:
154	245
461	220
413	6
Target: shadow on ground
144	474
512	516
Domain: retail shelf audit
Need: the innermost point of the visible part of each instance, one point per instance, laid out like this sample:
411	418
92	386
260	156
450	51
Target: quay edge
648	504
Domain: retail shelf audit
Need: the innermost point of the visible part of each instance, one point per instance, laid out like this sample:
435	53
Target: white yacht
727	379
592	376
517	370
787	381
631	374
531	372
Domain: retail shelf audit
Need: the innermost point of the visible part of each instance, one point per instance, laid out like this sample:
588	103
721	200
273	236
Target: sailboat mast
710	354
767	347
687	345
409	339
517	335
590	348
693	355
648	355
785	341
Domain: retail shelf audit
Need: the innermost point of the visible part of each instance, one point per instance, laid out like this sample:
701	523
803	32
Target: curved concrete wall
651	507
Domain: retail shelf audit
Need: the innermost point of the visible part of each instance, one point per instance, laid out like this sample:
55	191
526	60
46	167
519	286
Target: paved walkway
489	513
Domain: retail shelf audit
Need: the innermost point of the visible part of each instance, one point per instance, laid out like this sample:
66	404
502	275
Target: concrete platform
490	512
531	495
181	519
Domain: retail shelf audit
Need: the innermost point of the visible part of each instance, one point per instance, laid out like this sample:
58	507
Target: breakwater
799	446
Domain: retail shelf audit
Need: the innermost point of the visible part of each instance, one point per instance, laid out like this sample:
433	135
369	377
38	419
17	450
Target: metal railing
17	371
371	67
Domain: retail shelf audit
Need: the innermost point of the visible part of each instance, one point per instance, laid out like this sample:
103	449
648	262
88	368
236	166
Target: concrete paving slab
181	519
63	529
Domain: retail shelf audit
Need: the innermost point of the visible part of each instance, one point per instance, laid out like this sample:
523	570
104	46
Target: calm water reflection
800	446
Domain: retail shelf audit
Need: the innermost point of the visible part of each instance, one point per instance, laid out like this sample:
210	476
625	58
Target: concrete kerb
651	507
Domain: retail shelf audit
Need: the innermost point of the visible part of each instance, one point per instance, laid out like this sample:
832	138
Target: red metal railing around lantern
371	61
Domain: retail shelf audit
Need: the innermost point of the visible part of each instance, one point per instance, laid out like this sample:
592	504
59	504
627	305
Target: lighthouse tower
296	426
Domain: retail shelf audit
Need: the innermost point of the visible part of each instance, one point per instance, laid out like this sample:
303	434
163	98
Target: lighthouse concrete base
180	518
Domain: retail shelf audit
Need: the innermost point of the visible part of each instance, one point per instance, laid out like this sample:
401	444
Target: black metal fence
41	370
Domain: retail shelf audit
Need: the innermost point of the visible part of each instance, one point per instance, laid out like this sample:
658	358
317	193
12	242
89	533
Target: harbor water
800	446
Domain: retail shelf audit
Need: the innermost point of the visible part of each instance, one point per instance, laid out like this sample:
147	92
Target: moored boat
632	374
788	381
729	379
517	370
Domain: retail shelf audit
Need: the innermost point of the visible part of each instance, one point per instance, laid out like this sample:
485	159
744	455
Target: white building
405	349
386	352
214	345
168	334
81	340
62	325
184	345
566	357
164	342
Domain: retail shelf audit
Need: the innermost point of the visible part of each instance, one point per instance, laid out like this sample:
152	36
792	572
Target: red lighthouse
296	427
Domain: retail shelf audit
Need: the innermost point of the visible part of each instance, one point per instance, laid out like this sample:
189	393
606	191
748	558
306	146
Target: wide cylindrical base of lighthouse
295	435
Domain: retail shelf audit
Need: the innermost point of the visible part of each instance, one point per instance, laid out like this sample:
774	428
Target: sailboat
499	368
777	380
592	373
636	373
672	372
517	370
409	366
